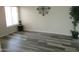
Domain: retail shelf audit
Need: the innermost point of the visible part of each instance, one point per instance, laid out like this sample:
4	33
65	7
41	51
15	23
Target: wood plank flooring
0	45
36	42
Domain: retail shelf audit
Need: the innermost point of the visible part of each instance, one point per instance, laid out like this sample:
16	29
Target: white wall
3	29
57	21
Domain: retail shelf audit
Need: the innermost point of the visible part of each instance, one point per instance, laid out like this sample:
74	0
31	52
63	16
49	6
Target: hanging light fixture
43	10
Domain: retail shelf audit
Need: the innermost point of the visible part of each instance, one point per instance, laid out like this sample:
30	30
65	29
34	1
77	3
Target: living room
51	23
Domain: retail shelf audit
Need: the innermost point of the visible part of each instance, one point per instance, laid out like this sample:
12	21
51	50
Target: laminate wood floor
36	42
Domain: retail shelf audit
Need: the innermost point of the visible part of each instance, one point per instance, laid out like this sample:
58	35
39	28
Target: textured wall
57	21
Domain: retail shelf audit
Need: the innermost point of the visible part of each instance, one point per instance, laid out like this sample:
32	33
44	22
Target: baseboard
7	34
61	36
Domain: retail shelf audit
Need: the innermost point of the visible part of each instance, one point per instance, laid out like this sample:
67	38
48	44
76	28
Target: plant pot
20	27
74	34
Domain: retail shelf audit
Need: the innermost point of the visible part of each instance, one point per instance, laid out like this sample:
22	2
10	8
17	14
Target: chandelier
43	10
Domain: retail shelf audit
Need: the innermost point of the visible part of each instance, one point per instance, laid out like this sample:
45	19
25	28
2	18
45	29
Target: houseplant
74	12
20	26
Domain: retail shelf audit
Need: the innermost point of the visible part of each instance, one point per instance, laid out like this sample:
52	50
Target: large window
11	14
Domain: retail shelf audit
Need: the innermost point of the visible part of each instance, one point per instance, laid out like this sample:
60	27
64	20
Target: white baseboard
49	32
7	34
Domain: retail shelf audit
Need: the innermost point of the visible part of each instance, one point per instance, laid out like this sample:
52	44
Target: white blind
11	14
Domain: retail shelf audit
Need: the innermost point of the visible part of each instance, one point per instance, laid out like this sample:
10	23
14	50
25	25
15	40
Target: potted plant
74	12
20	26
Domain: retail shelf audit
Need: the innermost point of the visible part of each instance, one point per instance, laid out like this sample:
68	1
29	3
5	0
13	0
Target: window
11	14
